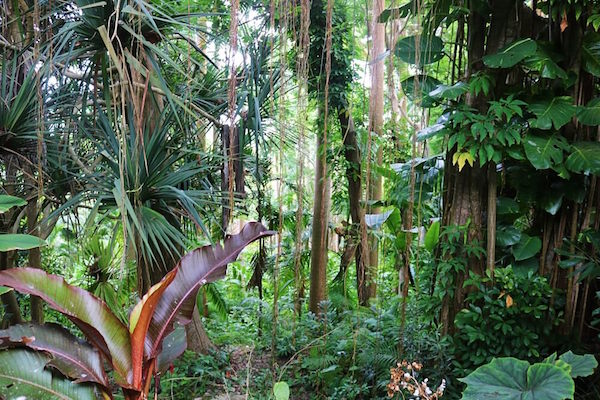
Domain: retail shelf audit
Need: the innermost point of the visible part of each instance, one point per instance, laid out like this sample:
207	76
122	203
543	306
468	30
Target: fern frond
216	298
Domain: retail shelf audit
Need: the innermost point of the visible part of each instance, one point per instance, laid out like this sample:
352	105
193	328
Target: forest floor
239	376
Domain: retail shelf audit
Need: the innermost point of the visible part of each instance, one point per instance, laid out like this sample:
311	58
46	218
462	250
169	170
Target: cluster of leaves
488	136
506	316
455	250
524	126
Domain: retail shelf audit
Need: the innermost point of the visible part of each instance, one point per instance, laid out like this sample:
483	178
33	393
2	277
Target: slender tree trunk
197	339
12	311
491	218
318	255
35	259
376	102
358	230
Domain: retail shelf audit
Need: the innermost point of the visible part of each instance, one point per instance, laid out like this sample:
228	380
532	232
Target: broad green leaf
584	158
580	365
430	131
432	236
418	87
507	236
552	200
102	328
527	247
22	375
449	92
512	54
502	378
590	113
545	61
394	221
549	382
429	48
281	390
512	379
19	241
543	152
526	267
506	205
555	112
551	358
72	357
590	53
7	202
200	266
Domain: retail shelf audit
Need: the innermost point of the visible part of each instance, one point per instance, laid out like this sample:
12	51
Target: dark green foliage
509	316
341	56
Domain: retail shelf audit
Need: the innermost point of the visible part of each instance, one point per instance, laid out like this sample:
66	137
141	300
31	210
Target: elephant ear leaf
72	357
581	365
510	378
23	375
102	328
200	266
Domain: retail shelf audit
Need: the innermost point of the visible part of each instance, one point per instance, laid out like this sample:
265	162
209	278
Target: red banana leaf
200	266
102	328
74	358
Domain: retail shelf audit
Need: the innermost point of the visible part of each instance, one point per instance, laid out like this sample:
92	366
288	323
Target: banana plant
135	353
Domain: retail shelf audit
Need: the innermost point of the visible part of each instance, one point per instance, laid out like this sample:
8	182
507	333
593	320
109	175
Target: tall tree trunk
376	97
464	200
318	254
357	231
491	218
35	258
466	191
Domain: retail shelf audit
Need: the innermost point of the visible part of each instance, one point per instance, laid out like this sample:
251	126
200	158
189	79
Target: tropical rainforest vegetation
415	185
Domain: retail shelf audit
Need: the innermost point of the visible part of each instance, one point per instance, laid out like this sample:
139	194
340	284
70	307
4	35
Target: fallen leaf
564	23
509	301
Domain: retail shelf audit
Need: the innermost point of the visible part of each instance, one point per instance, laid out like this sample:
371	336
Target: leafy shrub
507	316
